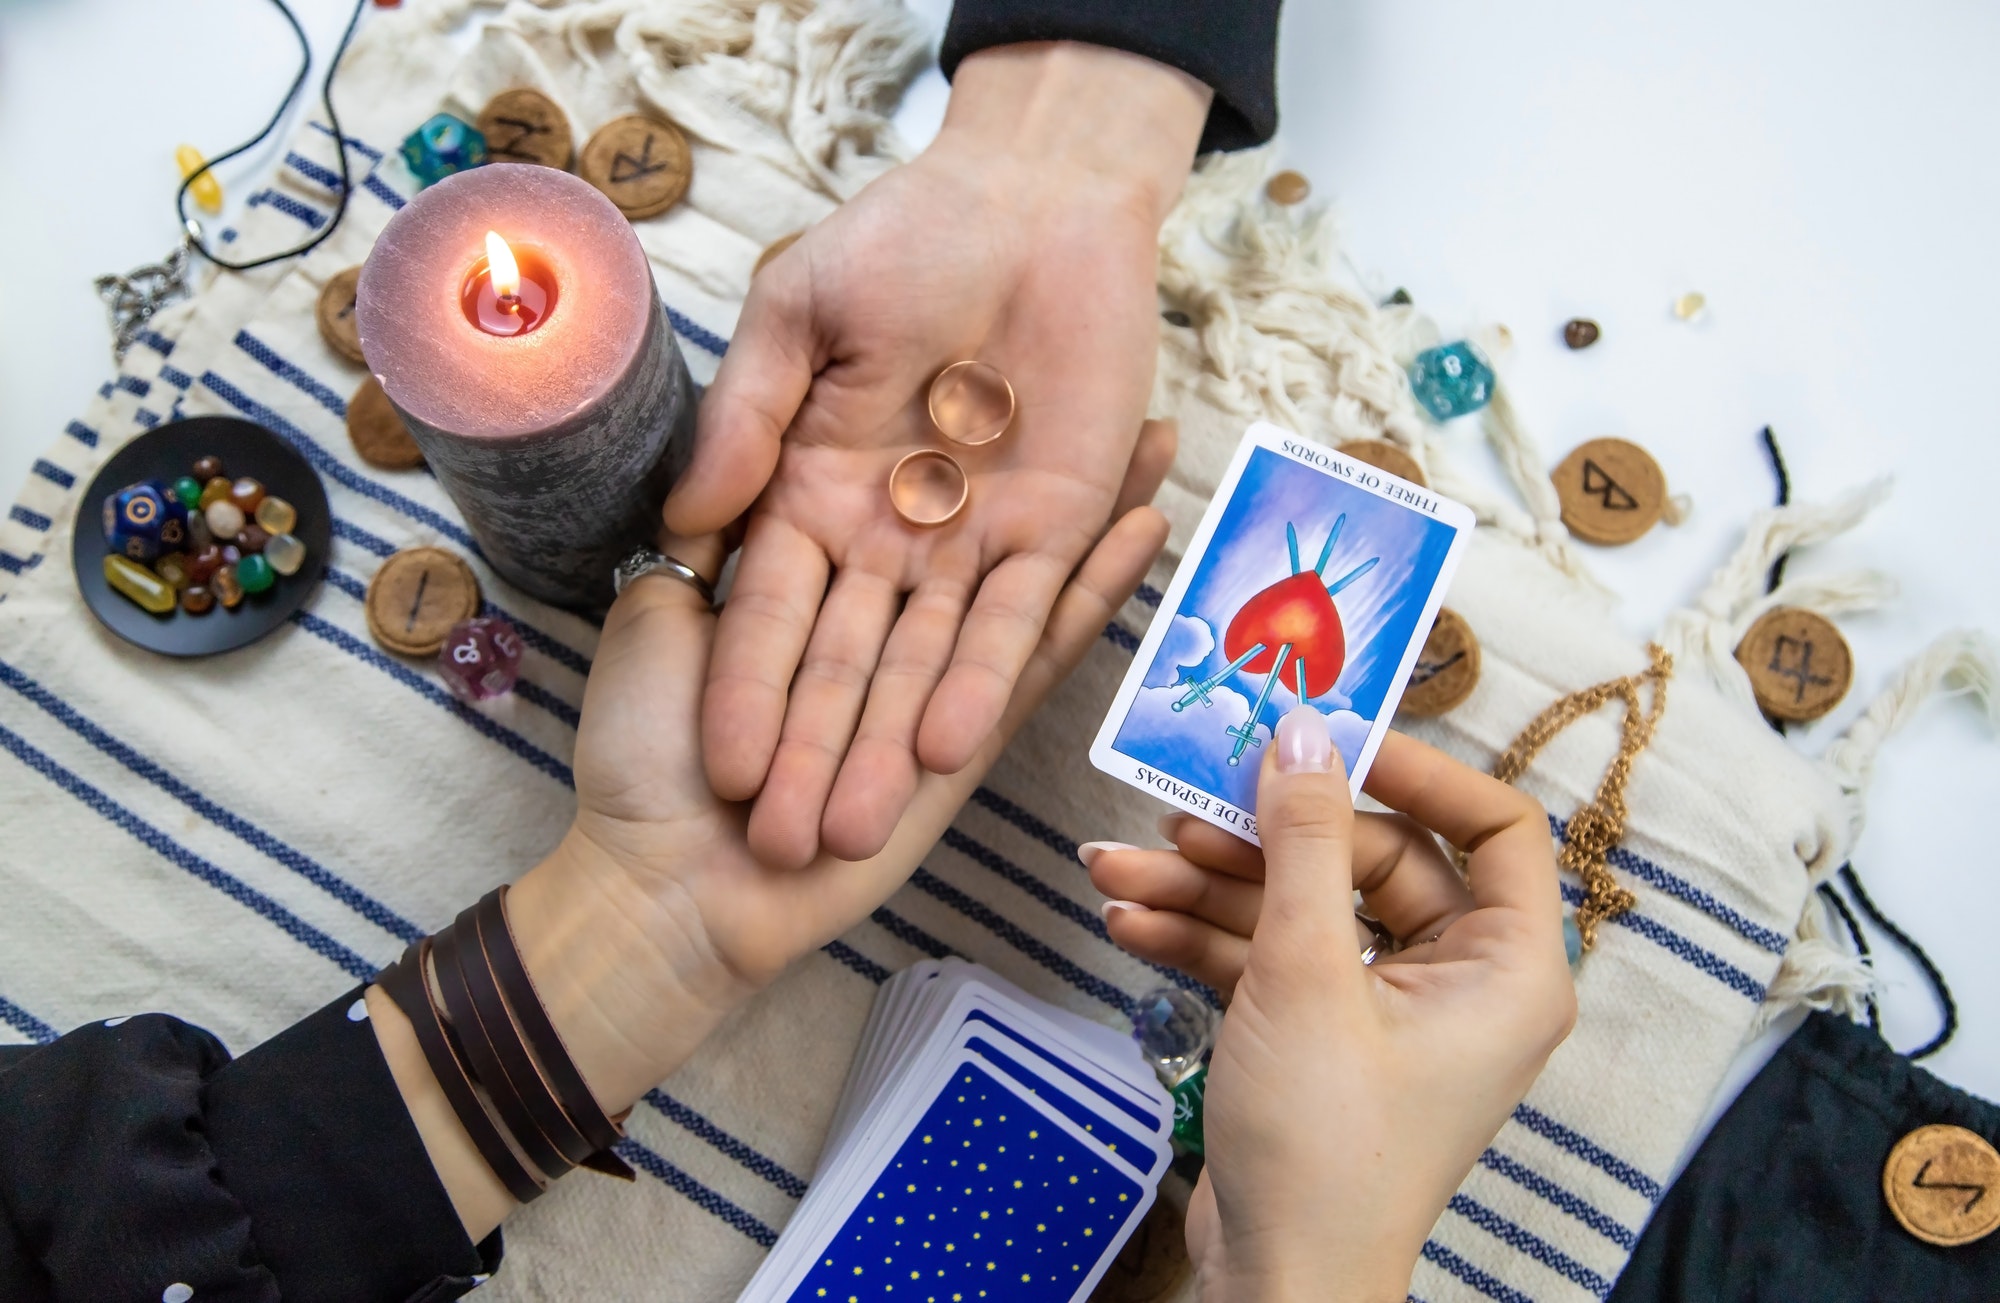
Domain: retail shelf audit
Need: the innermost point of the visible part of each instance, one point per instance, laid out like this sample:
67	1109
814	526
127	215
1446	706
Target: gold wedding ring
971	403
928	487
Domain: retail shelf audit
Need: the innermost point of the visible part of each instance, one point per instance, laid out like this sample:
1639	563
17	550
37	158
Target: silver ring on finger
643	561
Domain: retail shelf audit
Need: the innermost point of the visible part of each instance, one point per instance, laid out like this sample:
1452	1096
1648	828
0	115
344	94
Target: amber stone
146	589
173	567
201	567
247	493
208	468
252	539
213	490
197	599
227	589
1580	332
1287	188
276	515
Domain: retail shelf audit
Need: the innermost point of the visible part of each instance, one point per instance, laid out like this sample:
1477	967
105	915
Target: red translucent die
480	659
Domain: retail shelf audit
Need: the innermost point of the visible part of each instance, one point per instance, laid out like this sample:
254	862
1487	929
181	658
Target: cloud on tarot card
1194	744
1189	640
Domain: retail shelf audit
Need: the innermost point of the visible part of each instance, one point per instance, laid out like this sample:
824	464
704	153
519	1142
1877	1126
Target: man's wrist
1120	119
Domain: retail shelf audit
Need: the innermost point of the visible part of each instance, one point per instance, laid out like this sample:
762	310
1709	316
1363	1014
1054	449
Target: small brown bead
203	564
1288	188
207	468
246	493
252	539
197	599
1580	332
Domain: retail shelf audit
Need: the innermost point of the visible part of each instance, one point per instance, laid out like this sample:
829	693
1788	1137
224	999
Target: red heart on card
1299	611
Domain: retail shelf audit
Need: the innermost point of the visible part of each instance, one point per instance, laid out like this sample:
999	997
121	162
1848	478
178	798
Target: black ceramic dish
165	454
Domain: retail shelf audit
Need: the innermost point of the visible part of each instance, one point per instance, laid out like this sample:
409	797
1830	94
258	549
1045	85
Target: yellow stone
147	590
1689	305
207	192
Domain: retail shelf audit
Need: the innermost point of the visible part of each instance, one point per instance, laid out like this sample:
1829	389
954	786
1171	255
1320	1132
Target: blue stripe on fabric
146	417
1150	595
1535	1183
229	234
290	373
15	565
545	643
317	173
1486	1283
176	377
242	829
1681	889
26	1023
289	206
32	519
697	334
382	190
134	385
1018	937
53	473
988	858
698	1194
154	340
105	390
700	1126
1026	822
909	933
346	583
1596	1155
1680	947
295	927
506	737
82	433
856	961
331	466
1119	636
361	147
1522	1240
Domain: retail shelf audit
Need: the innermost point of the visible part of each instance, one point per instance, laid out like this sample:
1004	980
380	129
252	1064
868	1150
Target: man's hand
854	648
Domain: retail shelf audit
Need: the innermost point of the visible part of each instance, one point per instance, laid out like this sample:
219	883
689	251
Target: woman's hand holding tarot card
1313	578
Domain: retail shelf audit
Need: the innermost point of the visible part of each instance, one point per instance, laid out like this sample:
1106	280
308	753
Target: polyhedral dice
135	520
442	146
1451	380
481	658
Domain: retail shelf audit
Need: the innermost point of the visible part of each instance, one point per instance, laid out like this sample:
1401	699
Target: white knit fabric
239	839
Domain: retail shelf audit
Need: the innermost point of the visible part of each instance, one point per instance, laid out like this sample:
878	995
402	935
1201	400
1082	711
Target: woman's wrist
1055	115
627	975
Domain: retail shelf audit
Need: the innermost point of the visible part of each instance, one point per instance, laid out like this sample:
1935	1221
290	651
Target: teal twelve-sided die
1451	380
442	146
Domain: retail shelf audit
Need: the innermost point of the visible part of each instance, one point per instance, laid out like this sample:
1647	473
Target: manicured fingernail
1090	850
1133	905
1304	745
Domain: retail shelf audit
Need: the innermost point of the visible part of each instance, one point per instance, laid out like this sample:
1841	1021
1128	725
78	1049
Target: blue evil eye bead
134	519
442	146
1451	380
1572	940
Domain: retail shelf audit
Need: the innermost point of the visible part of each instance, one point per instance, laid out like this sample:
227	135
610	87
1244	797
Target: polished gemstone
146	589
208	468
207	191
1689	305
202	565
187	491
228	589
246	493
173	567
285	553
252	539
481	658
254	573
225	518
276	515
1580	332
197	599
1451	380
1572	940
215	489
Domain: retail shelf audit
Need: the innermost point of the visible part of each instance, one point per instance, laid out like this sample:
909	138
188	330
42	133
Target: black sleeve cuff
1231	45
312	1137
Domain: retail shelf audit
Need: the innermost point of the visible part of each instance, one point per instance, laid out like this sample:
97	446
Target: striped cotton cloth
239	839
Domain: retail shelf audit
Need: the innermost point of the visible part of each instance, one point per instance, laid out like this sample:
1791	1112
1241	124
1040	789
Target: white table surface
1824	173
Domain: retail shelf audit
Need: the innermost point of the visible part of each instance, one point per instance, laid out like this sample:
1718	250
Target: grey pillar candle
558	442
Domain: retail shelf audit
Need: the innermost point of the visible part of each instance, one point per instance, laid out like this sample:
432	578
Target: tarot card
1313	578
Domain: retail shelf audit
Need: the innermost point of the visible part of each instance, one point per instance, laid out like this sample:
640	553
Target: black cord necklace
135	297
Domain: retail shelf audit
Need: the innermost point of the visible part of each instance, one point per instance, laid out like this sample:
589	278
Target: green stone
1189	1094
1572	940
255	573
187	491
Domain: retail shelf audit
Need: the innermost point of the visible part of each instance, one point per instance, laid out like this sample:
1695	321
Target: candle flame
500	265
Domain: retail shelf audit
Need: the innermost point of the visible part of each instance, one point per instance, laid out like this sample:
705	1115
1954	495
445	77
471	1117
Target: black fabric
1231	45
137	1156
1783	1201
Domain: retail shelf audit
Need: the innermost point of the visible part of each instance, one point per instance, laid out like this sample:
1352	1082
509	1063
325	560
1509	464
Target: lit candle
510	315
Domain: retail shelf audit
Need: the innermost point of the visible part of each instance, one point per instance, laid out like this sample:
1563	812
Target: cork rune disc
526	126
1385	456
415	598
377	429
1612	491
1943	1184
641	164
1799	667
1447	669
335	314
